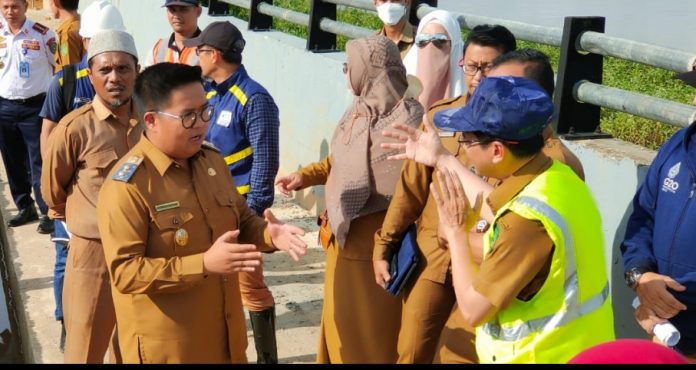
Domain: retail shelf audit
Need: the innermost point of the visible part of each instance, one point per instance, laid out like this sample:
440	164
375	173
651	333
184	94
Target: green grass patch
617	73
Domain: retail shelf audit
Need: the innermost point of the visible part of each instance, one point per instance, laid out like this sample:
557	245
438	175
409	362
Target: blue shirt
54	108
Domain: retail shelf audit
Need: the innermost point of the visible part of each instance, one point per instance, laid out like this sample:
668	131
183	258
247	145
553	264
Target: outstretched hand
423	146
456	215
286	237
288	183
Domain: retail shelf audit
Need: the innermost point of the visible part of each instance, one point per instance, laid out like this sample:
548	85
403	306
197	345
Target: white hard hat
99	16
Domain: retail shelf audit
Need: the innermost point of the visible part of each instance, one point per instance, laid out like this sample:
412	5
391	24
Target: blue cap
181	2
504	107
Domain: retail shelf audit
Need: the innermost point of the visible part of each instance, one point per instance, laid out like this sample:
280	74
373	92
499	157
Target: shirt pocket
173	234
97	167
225	214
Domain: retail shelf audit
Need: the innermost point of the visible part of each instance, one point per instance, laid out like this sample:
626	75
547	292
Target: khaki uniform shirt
521	256
70	49
156	226
80	152
408	35
412	202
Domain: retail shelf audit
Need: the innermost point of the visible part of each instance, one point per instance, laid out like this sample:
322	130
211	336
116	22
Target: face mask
391	13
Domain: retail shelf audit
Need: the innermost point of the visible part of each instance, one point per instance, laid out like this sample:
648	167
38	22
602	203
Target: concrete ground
297	288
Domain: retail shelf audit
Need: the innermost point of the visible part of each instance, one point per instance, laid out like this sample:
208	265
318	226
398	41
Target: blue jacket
661	231
227	129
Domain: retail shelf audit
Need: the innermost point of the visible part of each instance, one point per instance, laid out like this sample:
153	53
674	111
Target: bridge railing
579	95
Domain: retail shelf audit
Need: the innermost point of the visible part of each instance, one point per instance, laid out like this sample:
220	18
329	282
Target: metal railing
579	94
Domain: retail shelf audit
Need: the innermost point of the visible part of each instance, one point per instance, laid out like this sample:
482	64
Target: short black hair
537	66
520	149
232	57
69	4
154	85
495	36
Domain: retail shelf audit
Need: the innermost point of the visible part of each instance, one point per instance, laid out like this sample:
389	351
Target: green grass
617	73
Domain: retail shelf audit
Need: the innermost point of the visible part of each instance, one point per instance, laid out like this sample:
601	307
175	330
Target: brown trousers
457	341
89	316
255	294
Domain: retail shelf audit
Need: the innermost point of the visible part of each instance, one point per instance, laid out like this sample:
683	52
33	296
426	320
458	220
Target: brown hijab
362	180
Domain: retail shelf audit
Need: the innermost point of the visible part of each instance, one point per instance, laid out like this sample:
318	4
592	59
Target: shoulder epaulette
40	28
444	102
70	117
211	146
127	169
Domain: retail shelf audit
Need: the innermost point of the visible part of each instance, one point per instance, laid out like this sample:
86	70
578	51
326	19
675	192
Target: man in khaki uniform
170	219
79	154
428	301
394	15
70	47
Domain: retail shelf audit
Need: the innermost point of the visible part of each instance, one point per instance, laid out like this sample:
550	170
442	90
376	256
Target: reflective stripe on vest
79	74
235	90
244	189
238	156
573	308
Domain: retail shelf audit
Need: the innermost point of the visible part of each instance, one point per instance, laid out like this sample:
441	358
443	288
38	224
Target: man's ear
499	152
199	11
149	120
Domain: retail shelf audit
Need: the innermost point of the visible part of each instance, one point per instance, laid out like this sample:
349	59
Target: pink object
629	351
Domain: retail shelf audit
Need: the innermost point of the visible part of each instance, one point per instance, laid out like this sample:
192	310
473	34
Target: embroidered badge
52	45
181	237
31	45
40	28
225	118
166	206
126	171
64	49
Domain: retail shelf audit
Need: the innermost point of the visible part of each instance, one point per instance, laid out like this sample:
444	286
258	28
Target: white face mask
391	13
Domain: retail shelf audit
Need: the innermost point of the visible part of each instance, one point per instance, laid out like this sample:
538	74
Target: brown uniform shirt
521	257
412	202
70	49
408	35
80	152
167	309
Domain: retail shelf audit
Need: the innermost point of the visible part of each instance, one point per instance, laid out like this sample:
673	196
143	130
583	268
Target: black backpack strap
69	83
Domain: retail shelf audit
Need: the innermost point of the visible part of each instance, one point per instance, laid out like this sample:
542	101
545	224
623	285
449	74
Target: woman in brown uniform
360	321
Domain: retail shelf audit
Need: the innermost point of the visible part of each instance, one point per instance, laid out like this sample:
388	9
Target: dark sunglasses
437	39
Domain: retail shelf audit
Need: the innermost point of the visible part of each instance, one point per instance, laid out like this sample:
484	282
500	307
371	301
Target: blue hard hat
503	107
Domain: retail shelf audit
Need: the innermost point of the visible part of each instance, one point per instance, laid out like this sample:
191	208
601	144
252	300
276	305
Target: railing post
318	40
218	8
413	15
258	21
577	120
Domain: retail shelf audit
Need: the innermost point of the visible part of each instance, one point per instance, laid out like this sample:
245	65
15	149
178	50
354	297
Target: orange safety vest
167	54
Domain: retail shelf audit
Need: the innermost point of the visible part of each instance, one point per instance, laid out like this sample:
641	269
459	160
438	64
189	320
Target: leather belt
29	100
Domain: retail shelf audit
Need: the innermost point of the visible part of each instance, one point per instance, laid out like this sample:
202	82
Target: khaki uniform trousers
255	293
457	341
89	316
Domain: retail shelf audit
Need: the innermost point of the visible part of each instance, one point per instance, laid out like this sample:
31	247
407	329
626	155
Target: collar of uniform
407	34
512	185
222	87
161	161
26	27
103	112
66	23
172	42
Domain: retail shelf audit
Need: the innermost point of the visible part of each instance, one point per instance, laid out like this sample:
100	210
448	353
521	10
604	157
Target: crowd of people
155	184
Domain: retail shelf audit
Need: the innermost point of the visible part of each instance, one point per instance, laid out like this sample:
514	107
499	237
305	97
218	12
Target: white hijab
451	25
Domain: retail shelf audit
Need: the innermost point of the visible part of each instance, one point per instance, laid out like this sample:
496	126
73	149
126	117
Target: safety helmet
100	15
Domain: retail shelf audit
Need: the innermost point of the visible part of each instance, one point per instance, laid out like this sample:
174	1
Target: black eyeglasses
440	40
199	51
473	142
189	119
345	67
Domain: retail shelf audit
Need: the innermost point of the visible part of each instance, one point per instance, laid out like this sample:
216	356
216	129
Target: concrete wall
311	92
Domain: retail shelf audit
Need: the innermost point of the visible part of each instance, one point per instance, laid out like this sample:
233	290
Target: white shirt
33	44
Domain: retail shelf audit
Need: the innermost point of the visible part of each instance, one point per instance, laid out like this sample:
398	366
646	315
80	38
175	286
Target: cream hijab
362	180
441	79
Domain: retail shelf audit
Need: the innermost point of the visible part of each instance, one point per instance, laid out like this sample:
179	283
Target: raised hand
288	183
456	215
286	237
225	256
422	146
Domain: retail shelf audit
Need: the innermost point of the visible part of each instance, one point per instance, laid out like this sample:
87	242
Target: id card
24	69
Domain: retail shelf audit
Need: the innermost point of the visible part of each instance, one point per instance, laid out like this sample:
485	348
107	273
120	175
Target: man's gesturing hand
225	256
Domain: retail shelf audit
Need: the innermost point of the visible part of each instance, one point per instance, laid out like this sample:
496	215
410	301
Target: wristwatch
633	275
482	226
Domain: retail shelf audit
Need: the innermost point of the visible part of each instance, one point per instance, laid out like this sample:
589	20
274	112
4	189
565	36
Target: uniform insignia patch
31	45
40	28
64	49
126	171
52	45
209	145
165	206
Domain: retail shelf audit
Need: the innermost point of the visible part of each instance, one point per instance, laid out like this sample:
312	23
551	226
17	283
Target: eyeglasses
472	69
199	51
438	39
473	142
189	119
345	67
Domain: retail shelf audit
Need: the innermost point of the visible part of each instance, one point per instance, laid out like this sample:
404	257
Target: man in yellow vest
541	294
183	17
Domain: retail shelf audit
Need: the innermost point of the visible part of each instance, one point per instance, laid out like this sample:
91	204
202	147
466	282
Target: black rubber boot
263	326
61	346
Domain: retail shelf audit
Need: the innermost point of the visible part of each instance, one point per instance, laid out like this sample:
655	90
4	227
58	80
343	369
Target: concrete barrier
311	92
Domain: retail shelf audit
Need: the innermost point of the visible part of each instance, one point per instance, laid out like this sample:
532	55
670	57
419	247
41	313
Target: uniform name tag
225	118
166	206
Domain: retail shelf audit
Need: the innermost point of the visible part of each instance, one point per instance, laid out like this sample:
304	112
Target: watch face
632	277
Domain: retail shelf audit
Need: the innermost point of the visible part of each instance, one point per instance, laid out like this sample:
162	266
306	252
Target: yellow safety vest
572	310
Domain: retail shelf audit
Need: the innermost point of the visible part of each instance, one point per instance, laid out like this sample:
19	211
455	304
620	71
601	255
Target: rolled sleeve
53	108
262	126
